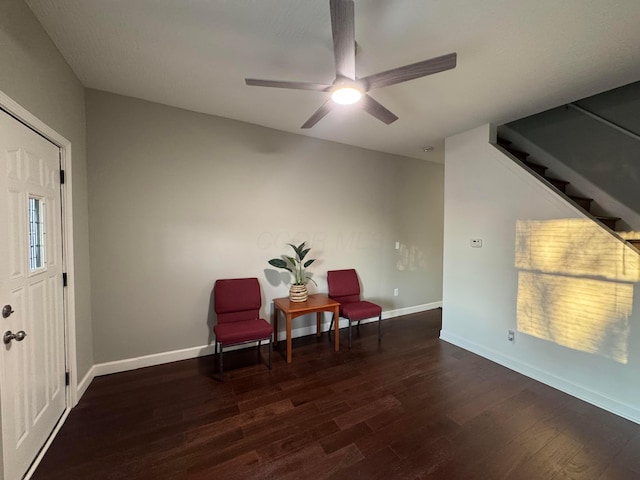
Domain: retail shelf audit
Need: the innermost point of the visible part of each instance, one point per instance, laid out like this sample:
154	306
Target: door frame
69	311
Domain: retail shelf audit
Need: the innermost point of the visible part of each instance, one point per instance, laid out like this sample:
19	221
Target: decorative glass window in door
36	234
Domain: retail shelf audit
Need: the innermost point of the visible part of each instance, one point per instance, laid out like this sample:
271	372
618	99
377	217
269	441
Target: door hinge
66	378
61	177
64	279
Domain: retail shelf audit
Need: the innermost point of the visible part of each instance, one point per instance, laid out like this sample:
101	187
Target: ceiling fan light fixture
346	95
347	88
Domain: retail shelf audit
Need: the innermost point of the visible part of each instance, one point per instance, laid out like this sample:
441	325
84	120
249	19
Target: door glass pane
36	234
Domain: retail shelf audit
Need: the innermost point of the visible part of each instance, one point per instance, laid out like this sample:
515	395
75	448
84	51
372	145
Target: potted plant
298	291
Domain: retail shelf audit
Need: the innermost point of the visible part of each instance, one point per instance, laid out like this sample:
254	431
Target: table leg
318	322
288	338
336	313
274	321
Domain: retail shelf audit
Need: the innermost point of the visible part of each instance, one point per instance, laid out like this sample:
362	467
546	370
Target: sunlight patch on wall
577	247
411	258
575	285
582	314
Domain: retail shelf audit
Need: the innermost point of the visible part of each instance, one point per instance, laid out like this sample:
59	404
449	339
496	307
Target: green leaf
291	259
279	263
294	264
309	278
295	249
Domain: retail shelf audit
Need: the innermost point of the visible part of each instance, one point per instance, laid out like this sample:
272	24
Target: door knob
6	311
9	336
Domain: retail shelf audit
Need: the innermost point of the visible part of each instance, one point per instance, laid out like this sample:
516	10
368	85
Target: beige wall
35	75
179	199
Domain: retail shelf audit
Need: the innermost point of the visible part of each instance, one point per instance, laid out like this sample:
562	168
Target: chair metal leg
221	357
379	328
221	366
218	356
349	333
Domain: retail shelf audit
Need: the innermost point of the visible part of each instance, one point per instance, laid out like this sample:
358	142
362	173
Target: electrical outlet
511	336
476	242
395	292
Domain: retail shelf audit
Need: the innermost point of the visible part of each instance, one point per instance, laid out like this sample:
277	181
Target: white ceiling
515	58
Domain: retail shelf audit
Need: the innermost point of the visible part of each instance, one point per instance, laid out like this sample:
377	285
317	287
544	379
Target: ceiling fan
346	88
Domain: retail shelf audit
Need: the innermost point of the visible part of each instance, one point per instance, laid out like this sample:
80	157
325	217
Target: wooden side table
317	303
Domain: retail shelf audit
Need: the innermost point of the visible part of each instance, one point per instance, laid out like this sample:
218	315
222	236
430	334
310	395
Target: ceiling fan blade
319	114
319	87
374	108
344	37
409	72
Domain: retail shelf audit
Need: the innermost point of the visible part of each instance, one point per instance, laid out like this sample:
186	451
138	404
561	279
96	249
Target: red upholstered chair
237	304
344	287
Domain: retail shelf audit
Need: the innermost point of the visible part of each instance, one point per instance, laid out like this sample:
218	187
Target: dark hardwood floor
411	407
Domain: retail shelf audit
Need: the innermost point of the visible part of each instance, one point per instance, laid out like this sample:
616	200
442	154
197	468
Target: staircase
561	185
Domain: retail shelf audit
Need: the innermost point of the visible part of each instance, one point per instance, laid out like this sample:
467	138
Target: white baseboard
151	360
409	310
84	383
599	400
193	352
311	329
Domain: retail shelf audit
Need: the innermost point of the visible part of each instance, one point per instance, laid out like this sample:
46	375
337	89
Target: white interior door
32	367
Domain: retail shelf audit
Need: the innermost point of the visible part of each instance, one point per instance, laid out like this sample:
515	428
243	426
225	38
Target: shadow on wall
277	277
575	285
212	318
